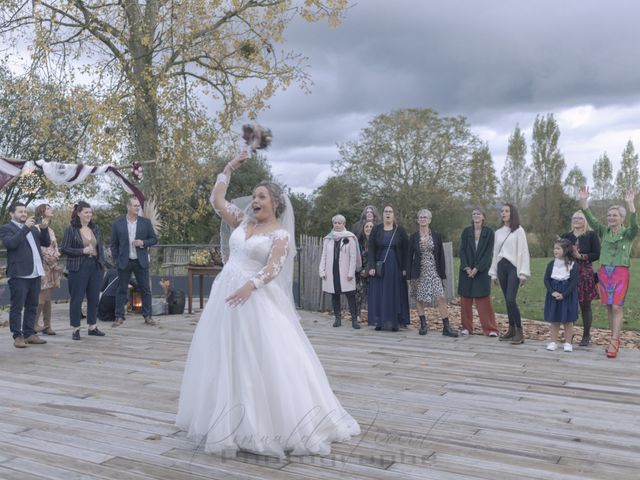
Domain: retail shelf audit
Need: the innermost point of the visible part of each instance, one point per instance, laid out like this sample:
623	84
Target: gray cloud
493	61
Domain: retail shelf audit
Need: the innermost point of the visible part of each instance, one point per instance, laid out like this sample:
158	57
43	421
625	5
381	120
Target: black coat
480	258
19	254
588	244
414	256
72	246
377	251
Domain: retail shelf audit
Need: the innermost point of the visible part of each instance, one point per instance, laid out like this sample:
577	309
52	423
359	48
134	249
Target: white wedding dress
252	380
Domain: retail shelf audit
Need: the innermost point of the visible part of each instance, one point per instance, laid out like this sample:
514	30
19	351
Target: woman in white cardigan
510	267
338	265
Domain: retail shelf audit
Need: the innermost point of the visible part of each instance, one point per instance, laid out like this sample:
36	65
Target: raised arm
226	210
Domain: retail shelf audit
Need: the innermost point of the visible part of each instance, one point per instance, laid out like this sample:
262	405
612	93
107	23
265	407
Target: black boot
509	335
353	309
423	325
586	322
338	322
446	329
518	337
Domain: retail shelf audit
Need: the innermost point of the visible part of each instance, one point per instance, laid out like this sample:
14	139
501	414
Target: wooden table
200	271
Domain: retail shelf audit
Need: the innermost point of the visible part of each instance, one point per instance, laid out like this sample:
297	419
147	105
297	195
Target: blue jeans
24	294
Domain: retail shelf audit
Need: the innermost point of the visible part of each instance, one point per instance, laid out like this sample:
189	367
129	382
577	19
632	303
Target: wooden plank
429	407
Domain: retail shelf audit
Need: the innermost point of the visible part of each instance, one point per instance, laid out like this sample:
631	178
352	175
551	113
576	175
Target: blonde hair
621	210
580	213
425	211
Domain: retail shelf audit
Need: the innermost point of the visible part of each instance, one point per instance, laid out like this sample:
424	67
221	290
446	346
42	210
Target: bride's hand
241	295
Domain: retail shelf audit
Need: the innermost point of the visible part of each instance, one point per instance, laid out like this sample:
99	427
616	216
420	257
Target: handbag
380	263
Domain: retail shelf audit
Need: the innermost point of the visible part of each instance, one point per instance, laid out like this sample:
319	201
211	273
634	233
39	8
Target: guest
131	237
369	214
561	301
510	266
339	262
23	241
388	295
52	271
82	244
474	283
426	270
362	280
613	275
586	249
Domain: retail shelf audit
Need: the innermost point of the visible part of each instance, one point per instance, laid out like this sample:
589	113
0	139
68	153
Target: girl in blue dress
561	302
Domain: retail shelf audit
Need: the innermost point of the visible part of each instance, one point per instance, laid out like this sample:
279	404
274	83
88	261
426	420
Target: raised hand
584	195
240	158
629	197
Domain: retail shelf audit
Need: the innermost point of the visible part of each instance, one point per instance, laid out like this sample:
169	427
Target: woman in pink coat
338	265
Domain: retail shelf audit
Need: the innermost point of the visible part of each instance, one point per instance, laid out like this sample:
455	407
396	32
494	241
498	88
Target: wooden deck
429	407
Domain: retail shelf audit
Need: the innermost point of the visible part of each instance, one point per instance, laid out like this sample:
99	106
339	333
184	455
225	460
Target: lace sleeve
277	258
224	209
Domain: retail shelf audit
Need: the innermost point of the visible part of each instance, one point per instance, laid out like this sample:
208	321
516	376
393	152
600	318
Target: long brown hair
514	217
77	208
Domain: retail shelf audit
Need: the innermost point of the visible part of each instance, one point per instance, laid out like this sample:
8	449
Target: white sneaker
568	347
464	332
493	334
552	346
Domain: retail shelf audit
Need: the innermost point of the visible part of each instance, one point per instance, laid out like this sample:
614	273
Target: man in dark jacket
23	239
131	236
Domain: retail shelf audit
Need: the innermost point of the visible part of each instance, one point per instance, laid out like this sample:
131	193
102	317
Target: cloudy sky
497	62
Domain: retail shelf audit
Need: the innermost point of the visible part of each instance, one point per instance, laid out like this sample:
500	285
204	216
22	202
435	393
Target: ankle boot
423	325
338	322
354	323
509	335
518	338
446	329
46	318
37	327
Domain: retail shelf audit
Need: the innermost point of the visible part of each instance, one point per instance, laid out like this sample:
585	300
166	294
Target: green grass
531	297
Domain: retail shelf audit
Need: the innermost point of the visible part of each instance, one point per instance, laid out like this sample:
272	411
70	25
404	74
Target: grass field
531	297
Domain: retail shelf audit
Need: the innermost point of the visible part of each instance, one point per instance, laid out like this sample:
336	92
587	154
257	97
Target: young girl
561	302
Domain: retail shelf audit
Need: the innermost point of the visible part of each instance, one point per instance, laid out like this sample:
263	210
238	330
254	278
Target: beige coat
349	260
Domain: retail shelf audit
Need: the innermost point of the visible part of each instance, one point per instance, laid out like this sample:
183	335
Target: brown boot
37	327
35	340
509	335
518	338
46	318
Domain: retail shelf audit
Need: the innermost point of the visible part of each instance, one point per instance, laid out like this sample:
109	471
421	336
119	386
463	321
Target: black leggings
351	298
587	316
509	282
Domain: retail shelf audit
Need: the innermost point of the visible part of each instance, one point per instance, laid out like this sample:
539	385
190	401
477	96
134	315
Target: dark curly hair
77	208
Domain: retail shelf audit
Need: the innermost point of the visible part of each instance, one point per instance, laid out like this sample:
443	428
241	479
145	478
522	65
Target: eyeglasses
421	217
577	218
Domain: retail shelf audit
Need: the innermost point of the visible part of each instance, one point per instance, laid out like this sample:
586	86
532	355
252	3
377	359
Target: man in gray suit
23	239
131	236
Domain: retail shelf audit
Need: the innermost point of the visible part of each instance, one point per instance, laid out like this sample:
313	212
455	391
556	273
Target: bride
252	380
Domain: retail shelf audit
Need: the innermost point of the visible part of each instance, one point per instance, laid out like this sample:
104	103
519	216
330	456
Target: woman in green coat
474	283
615	259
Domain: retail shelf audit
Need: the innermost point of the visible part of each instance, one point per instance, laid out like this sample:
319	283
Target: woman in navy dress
388	295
